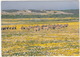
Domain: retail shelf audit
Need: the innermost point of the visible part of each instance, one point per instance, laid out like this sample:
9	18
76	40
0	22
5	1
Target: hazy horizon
39	5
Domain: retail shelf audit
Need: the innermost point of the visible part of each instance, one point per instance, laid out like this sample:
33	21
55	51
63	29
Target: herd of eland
37	27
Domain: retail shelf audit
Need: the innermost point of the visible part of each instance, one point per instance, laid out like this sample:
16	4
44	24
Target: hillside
31	12
39	13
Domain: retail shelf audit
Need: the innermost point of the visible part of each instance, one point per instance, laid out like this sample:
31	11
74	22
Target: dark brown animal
23	28
54	26
66	25
13	28
4	28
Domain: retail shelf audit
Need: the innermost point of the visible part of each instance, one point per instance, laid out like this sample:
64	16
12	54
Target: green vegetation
10	10
76	11
75	14
40	16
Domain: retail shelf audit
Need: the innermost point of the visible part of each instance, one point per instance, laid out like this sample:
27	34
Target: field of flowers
52	42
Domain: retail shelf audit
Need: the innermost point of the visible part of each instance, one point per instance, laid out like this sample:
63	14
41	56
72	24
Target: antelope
13	28
45	27
4	28
37	28
23	27
66	25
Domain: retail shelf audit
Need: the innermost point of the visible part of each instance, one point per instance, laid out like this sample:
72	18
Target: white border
0	30
79	27
39	0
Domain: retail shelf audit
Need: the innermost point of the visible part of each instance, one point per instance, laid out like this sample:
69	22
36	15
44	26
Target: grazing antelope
4	28
58	26
37	28
66	25
54	26
23	27
50	26
13	28
28	28
9	28
45	27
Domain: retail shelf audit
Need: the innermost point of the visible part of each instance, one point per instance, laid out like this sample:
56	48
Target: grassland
52	42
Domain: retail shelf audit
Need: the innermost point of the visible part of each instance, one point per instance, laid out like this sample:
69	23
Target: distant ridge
33	12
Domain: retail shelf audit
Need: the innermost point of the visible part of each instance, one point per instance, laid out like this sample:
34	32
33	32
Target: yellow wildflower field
52	42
